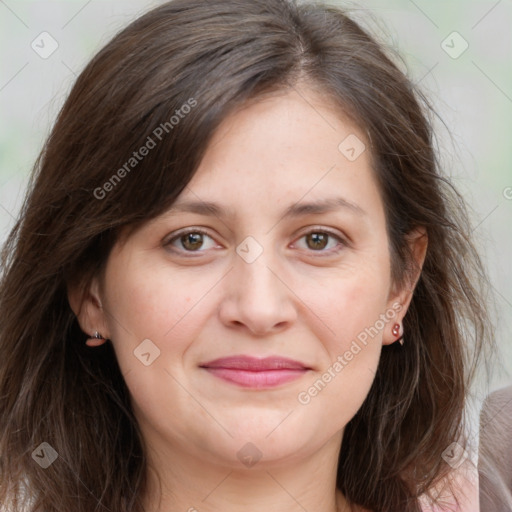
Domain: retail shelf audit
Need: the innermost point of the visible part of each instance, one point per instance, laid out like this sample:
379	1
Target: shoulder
496	430
497	407
495	452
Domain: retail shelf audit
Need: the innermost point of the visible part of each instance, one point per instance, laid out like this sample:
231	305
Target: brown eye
193	240
317	240
323	242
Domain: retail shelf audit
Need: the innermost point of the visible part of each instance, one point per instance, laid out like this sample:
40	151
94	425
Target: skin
297	299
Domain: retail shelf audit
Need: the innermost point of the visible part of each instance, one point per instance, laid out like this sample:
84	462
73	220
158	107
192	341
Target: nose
257	297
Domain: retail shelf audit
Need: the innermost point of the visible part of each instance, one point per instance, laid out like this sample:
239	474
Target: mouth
250	372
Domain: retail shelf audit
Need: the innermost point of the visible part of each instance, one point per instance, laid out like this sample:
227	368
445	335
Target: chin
269	442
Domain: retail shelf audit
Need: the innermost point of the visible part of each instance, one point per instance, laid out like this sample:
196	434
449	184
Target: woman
239	278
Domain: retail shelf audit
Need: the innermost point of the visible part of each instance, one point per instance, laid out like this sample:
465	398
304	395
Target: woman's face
293	263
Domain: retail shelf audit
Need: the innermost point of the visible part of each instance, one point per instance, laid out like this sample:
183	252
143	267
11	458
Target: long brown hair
215	56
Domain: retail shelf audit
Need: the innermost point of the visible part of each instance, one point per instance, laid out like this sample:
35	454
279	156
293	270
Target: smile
252	372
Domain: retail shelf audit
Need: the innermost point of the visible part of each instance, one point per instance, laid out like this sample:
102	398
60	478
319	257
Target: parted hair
215	56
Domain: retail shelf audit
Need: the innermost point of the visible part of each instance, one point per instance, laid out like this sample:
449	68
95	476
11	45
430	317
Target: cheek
153	303
353	307
338	392
157	303
352	302
353	312
144	300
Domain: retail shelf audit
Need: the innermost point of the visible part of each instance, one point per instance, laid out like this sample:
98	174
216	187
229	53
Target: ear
399	300
86	303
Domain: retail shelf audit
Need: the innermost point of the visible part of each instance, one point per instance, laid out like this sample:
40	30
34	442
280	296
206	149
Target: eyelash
179	234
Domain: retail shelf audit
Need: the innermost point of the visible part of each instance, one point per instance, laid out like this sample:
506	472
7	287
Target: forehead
281	148
287	156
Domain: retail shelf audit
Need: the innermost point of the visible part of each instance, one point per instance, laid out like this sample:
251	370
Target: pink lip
251	372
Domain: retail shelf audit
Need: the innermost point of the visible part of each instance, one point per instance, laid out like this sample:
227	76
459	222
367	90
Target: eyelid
343	240
180	232
175	235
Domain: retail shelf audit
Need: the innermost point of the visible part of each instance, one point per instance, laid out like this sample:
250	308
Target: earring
95	340
396	332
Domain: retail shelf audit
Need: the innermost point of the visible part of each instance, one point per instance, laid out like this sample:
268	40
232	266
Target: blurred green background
471	88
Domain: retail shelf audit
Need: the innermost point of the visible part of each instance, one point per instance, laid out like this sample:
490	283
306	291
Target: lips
254	364
251	372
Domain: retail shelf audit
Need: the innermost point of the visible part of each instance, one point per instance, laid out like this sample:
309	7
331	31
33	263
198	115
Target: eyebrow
295	210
